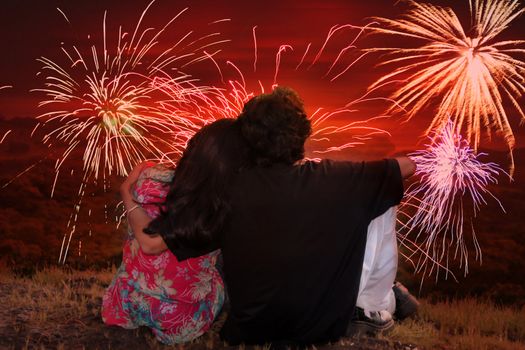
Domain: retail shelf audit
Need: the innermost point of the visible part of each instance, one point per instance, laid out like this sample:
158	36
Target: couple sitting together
304	251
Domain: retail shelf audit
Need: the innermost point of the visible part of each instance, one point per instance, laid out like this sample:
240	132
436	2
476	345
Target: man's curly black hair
275	127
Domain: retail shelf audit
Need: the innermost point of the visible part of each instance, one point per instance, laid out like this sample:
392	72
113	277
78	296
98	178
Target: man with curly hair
295	241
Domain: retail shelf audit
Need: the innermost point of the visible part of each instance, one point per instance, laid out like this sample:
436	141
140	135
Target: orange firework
467	72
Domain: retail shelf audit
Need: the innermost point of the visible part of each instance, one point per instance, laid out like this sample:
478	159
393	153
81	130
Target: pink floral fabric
177	300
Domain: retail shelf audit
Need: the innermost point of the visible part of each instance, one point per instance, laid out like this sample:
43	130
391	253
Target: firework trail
103	102
8	131
451	178
467	71
5	135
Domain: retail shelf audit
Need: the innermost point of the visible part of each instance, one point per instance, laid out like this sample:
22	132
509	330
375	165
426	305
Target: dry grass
60	309
57	294
464	324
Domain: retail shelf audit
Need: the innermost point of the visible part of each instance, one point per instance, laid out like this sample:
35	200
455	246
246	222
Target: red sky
31	29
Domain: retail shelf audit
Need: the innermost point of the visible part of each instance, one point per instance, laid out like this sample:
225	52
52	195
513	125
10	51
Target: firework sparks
104	101
468	72
228	100
361	130
451	176
194	106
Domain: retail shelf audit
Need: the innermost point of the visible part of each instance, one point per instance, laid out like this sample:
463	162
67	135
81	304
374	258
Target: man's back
294	246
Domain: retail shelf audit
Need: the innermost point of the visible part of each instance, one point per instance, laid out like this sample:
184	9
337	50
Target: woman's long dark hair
197	203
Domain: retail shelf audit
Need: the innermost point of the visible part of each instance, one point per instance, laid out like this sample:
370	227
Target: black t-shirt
293	247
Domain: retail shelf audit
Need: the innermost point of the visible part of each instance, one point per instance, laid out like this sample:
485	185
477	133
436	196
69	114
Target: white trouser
379	265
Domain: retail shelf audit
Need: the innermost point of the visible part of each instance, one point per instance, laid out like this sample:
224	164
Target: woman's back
178	300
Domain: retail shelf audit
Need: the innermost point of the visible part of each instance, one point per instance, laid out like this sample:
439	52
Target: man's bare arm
407	166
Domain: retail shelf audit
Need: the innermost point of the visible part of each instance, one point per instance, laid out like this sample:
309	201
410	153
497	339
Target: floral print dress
177	300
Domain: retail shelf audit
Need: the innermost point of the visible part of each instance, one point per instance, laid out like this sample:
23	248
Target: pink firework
451	176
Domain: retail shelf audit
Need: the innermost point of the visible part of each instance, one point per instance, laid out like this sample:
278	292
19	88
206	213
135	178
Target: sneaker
370	323
406	303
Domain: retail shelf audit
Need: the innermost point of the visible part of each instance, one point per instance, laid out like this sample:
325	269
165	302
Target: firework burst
103	101
450	176
467	72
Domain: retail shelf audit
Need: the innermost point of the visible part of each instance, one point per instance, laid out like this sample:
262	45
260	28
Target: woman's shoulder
158	173
153	184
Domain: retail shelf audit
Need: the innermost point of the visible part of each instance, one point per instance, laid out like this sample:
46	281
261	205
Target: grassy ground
464	324
60	309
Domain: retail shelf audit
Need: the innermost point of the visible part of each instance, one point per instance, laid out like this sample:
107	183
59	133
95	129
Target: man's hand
407	166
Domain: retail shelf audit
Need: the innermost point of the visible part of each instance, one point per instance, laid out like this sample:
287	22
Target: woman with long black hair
168	279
